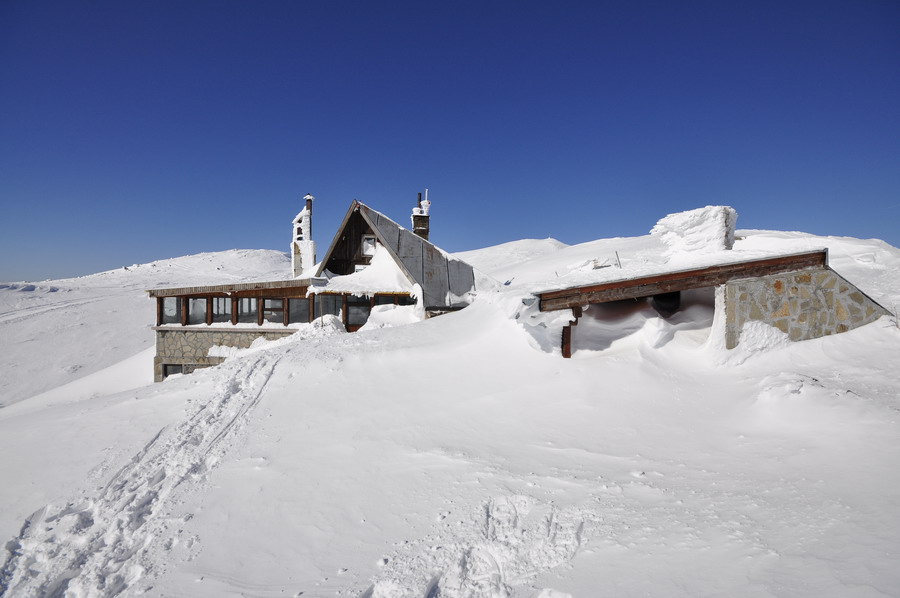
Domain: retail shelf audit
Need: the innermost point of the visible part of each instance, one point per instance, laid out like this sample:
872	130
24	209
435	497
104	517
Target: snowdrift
459	457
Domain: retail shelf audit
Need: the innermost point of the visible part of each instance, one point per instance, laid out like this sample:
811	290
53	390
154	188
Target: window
273	311
171	310
247	310
221	309
169	369
197	310
406	300
298	311
328	304
368	245
384	299
358	309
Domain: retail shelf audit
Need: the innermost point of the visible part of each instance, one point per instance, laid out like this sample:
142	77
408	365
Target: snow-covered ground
456	457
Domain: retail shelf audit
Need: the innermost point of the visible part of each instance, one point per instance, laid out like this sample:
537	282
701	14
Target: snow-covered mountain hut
796	293
373	266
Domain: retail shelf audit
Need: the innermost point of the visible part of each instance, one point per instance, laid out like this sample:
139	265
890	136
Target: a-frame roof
445	280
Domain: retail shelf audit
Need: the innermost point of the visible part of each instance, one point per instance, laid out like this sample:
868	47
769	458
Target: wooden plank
567	341
677	281
184	310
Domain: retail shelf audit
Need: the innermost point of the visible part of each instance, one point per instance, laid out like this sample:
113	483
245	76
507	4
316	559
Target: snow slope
463	457
59	330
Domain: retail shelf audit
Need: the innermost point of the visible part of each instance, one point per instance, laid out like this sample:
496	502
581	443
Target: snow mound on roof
382	275
703	230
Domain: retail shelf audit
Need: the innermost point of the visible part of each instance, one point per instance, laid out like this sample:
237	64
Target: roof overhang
226	289
682	280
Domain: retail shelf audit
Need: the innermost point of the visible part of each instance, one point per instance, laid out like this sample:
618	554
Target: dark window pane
328	304
384	299
247	310
298	311
171	310
358	309
273	311
406	300
169	369
197	310
221	309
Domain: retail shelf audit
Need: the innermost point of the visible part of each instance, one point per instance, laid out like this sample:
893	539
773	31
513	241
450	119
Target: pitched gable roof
445	280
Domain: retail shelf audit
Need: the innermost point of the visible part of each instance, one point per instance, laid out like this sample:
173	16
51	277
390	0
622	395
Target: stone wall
189	348
805	304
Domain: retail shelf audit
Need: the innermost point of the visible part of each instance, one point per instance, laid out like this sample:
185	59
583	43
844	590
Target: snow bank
703	230
385	316
324	326
451	458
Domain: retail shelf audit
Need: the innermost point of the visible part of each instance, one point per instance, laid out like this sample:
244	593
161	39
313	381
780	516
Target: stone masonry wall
805	304
190	347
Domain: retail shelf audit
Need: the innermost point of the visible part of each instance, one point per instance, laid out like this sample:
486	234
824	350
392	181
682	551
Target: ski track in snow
99	546
24	313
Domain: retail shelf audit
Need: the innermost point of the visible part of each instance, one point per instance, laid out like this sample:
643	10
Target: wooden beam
567	341
683	280
159	311
184	310
209	310
296	287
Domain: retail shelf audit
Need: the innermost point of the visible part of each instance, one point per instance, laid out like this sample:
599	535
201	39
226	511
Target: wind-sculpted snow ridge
98	546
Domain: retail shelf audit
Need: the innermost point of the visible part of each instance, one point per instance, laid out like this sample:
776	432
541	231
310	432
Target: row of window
203	310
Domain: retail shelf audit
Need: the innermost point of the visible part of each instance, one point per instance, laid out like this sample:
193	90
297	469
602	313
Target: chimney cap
308	197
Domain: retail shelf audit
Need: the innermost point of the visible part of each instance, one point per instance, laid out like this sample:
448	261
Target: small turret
303	248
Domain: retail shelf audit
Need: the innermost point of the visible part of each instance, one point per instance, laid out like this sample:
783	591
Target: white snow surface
459	456
382	275
708	229
55	331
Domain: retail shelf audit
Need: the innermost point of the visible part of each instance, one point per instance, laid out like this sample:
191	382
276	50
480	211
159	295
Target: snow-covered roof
445	280
383	275
684	241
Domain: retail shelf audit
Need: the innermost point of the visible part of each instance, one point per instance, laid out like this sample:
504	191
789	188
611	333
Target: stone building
797	293
372	263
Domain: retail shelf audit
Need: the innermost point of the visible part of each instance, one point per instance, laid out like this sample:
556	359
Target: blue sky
135	131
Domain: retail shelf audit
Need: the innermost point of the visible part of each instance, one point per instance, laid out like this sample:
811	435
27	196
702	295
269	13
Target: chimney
309	199
303	248
420	217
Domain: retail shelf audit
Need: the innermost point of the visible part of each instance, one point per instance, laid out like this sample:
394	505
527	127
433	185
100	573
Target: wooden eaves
244	288
647	286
